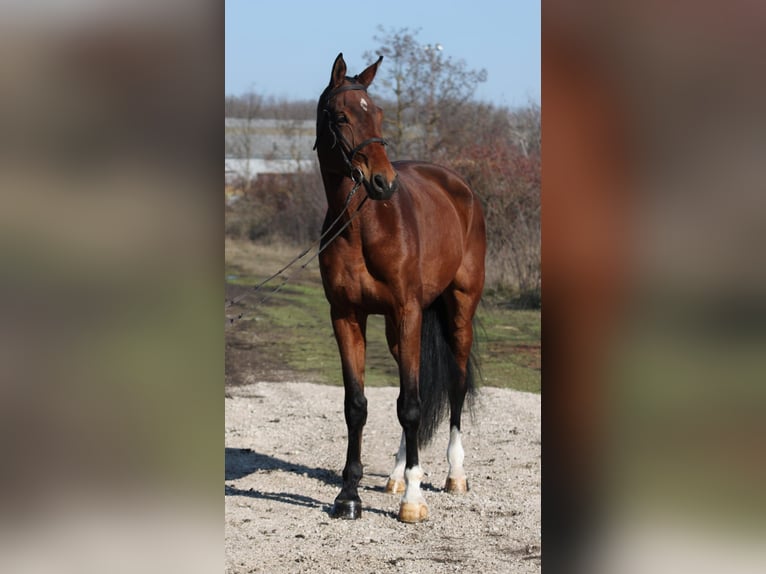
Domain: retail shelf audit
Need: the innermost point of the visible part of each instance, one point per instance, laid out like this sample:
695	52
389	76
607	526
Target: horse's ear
366	77
338	71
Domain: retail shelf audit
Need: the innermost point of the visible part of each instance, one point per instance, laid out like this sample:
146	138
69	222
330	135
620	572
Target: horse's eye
341	119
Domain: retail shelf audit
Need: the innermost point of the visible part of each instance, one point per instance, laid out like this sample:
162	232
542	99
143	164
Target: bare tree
240	106
527	129
426	87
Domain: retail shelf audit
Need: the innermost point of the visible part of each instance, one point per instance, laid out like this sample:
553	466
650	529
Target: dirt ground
285	449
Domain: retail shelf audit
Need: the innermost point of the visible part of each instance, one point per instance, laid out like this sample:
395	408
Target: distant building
248	169
259	146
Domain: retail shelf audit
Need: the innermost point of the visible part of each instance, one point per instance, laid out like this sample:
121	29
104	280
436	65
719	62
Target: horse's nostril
379	182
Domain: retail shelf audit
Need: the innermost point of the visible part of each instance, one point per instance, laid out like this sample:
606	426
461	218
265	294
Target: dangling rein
357	183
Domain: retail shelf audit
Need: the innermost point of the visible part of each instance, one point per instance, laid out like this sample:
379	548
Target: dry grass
261	260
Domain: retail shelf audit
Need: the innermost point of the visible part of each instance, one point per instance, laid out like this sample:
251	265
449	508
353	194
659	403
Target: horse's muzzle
379	188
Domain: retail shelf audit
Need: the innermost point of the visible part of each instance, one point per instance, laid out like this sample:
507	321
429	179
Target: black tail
438	369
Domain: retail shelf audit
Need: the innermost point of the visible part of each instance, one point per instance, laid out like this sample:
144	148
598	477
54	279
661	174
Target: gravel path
285	449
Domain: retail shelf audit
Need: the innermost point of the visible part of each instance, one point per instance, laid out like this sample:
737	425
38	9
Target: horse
414	254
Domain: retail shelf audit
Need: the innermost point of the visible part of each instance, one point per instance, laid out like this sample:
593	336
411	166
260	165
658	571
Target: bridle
348	151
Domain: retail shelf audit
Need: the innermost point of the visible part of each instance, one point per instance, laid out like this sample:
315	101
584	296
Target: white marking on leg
412	494
401	460
364	104
455	455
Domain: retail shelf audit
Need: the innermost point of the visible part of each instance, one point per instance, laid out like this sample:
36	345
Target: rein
301	255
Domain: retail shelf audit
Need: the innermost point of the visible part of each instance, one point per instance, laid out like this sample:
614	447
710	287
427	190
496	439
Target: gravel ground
285	450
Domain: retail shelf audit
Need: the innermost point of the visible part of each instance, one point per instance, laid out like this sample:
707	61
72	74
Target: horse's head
349	138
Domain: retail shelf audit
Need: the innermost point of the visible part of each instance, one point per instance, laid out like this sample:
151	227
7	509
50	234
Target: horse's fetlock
353	473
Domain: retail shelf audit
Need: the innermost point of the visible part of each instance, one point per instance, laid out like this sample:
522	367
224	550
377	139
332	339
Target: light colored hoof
395	486
412	512
456	485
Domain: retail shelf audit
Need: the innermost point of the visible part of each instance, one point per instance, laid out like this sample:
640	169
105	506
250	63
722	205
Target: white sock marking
401	459
455	455
413	476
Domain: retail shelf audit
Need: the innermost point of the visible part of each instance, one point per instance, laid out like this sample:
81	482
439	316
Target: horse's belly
438	267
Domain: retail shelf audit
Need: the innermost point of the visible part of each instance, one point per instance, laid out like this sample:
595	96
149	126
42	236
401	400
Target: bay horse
414	254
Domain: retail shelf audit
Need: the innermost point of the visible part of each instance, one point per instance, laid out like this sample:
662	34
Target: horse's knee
408	410
355	408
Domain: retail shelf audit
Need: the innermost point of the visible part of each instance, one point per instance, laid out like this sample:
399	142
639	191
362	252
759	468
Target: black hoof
346	509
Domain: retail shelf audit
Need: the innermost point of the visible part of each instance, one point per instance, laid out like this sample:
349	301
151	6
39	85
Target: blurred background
111	339
653	211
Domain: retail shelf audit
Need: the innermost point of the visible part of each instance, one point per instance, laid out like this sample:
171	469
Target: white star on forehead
364	104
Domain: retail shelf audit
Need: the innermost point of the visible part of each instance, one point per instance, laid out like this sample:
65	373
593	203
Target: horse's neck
337	189
341	207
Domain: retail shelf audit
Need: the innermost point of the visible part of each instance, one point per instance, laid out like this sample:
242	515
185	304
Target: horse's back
419	173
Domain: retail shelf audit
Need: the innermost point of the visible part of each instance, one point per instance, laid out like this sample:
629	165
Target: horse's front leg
412	507
350	334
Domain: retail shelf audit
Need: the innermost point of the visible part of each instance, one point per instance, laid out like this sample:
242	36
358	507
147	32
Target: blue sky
285	48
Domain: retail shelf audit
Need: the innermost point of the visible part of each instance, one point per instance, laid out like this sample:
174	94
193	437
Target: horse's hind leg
350	335
413	507
462	308
395	483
